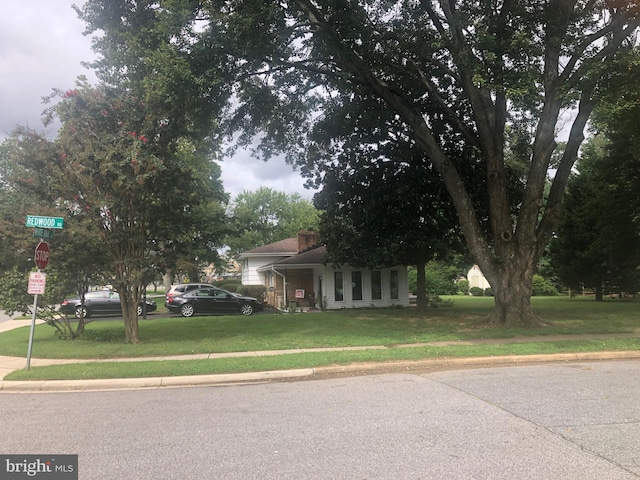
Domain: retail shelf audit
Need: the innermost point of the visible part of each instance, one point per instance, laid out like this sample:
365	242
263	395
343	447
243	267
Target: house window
356	285
393	280
338	287
376	285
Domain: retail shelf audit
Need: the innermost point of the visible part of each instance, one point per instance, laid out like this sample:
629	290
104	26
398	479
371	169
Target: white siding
250	274
367	301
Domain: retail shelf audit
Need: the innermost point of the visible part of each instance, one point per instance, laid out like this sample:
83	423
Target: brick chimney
307	239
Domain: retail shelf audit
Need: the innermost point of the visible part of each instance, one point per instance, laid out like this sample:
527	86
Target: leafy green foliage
440	279
476	291
597	246
463	286
598	242
472	77
139	194
543	287
266	216
476	75
15	299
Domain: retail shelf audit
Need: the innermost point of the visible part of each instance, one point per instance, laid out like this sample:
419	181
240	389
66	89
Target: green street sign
44	222
44	233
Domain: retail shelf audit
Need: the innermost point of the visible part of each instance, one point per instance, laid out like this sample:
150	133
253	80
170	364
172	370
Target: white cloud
245	172
42	47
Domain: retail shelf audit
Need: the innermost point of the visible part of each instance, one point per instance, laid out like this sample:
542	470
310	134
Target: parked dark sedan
212	300
105	302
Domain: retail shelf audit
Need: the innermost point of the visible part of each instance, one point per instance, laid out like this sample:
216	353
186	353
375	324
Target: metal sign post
33	327
37	284
37	280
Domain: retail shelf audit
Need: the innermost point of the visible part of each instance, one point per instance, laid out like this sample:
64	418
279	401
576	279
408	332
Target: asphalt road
553	421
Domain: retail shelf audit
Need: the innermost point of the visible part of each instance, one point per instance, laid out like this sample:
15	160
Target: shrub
488	292
231	286
439	278
476	291
255	291
543	287
463	286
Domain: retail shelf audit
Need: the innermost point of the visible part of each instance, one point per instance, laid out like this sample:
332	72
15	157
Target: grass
307	360
465	320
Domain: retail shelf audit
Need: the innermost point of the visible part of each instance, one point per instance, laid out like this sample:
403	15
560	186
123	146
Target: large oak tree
491	66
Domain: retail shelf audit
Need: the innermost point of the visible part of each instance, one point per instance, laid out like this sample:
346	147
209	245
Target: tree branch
556	195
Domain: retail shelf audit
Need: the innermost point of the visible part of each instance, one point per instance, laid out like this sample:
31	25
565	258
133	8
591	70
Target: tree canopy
266	216
488	66
143	192
597	245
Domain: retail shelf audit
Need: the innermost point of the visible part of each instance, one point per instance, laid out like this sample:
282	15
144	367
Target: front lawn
361	327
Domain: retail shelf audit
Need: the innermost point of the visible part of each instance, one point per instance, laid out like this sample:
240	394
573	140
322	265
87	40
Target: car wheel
187	310
246	309
82	312
139	310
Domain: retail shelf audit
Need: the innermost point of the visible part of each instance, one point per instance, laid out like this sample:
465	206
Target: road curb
474	362
23	386
259	377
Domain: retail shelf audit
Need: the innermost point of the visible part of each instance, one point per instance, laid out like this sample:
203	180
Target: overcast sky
42	47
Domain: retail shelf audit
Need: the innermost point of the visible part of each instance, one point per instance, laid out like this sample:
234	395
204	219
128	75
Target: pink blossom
143	139
133	134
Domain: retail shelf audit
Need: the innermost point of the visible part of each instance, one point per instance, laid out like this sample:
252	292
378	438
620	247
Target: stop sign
42	255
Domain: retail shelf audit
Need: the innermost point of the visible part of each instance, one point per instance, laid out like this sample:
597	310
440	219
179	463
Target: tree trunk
422	301
512	287
80	327
130	317
599	292
167	280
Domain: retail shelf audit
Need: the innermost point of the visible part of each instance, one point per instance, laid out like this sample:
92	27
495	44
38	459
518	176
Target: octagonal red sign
42	255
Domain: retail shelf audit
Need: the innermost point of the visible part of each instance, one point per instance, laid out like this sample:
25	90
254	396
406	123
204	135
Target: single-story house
295	272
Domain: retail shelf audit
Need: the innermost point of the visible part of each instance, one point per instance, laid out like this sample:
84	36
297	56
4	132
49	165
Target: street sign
45	233
42	255
37	283
44	222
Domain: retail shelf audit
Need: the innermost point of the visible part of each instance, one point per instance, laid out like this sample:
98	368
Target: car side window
203	293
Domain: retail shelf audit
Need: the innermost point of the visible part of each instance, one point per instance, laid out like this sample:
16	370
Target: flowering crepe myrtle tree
142	190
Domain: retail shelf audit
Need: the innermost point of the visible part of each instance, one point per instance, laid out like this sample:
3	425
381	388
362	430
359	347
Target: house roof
288	246
313	256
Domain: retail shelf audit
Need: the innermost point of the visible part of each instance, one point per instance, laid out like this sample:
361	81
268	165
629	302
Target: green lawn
365	327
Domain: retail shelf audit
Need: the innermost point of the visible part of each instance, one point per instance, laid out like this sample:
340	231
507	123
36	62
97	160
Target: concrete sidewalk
10	364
